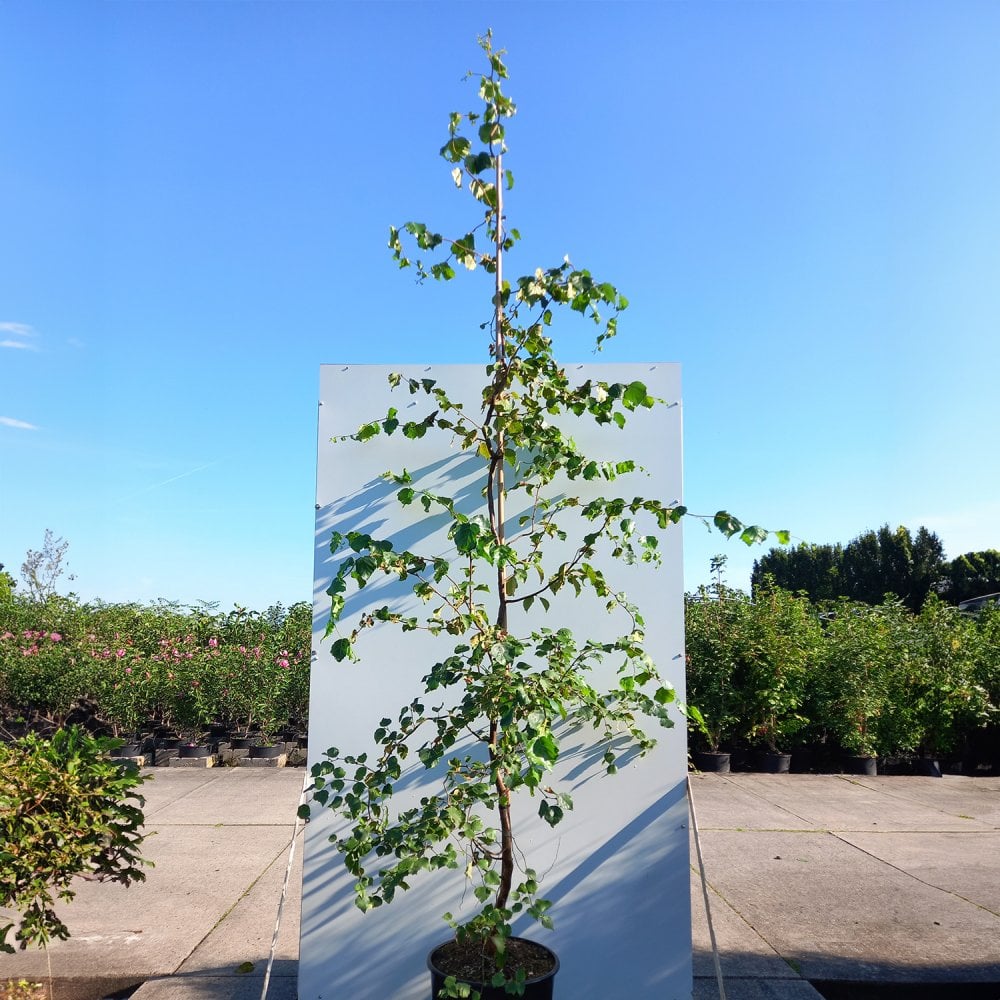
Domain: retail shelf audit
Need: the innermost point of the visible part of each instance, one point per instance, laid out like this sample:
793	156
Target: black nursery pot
929	767
859	764
536	988
194	752
260	752
711	762
769	762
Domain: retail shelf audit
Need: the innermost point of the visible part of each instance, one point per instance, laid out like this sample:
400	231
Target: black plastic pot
128	750
537	988
194	752
929	767
861	765
244	742
711	762
768	762
266	753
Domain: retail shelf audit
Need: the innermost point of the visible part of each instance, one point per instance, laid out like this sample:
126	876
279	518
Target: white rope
284	889
704	890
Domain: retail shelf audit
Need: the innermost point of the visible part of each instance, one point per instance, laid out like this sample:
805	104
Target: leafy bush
65	810
942	683
182	668
719	632
851	689
785	642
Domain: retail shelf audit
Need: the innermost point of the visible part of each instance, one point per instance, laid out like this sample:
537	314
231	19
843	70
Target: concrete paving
809	877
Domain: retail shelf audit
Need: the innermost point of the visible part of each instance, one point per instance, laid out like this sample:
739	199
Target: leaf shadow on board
643	866
374	506
373	509
364	955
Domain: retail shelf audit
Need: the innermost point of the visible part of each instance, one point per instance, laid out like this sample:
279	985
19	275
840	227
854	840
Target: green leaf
466	537
664	695
341	650
546	748
478	163
635	395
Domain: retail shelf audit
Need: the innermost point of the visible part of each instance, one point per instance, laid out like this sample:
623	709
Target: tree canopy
870	566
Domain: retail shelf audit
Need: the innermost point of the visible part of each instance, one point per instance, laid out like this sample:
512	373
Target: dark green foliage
971	575
720	648
810	569
65	810
876	680
852	689
874	564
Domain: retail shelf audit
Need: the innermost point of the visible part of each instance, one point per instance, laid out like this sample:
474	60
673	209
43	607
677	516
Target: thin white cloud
21	425
17	329
19	338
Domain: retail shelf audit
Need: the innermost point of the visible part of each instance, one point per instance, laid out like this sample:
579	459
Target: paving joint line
239	899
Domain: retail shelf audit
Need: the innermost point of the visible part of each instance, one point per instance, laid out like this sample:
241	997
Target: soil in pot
711	762
467	963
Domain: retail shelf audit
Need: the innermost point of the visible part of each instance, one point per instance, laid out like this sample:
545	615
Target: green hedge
779	671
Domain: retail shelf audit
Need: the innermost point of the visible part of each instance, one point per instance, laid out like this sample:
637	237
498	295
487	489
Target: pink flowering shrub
181	668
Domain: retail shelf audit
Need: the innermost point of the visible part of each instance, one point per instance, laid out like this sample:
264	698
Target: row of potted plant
776	671
138	666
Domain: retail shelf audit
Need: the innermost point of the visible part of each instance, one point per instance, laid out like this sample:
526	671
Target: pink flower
120	653
283	663
213	642
55	637
128	670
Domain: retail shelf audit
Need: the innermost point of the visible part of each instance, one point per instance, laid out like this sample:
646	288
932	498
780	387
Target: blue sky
799	199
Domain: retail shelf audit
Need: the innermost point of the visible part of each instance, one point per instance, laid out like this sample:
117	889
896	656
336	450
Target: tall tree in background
812	569
971	575
870	566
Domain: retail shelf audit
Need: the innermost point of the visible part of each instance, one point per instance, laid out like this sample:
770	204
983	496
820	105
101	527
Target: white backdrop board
616	868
